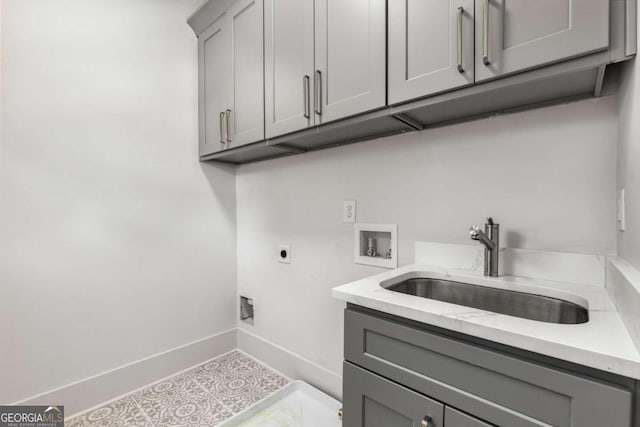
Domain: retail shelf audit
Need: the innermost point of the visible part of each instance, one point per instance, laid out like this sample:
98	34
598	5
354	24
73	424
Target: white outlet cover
284	254
349	211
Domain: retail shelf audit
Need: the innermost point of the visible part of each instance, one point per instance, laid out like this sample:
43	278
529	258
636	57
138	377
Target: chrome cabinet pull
460	12
228	127
318	91
305	96
426	421
222	132
485	33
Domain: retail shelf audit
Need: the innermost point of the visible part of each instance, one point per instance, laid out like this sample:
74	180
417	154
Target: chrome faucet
490	238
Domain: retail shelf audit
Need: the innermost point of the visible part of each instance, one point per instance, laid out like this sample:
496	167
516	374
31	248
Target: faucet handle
490	221
474	232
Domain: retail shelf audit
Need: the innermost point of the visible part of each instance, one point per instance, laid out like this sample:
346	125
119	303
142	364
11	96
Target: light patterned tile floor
203	396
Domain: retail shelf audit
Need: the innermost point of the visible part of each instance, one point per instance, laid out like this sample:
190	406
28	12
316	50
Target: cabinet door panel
214	72
288	59
428	39
522	34
350	56
455	418
247	115
372	401
499	388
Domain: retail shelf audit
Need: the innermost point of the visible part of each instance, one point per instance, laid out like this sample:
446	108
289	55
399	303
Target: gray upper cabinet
214	71
288	74
246	115
231	78
279	77
513	36
350	57
431	47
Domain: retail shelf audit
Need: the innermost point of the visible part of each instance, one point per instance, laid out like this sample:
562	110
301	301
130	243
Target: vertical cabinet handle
318	91
228	126
223	137
485	33
305	96
460	12
426	422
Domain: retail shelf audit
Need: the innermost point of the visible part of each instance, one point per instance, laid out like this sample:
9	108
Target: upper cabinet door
431	47
350	43
513	35
214	73
288	74
246	115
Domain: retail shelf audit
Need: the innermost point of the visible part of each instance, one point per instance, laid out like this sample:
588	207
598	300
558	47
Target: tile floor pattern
203	396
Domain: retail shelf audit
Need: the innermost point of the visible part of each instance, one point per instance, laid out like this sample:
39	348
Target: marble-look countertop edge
467	321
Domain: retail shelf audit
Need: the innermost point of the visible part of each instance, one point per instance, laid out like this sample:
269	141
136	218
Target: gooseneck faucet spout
490	238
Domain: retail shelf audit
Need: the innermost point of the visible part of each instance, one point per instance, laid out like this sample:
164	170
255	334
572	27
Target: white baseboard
290	364
106	386
110	385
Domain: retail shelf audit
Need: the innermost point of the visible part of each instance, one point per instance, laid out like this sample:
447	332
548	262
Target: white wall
629	160
116	244
547	175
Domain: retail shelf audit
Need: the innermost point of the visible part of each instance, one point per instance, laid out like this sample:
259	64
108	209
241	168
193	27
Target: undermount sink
513	303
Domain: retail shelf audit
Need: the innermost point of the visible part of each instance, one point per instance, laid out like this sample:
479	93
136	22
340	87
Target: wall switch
622	223
284	254
349	211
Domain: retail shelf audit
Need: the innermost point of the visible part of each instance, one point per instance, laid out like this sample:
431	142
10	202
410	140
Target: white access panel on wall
376	244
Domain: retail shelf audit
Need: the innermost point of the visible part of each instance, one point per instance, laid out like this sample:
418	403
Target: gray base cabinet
405	374
377	402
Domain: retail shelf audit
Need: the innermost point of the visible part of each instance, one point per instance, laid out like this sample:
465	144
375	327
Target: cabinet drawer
492	386
455	418
372	401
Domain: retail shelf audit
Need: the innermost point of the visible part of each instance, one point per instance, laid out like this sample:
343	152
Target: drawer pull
426	421
485	33
222	133
228	127
305	96
318	91
459	50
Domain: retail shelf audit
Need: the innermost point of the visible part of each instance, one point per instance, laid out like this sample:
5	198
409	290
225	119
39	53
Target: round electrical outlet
285	254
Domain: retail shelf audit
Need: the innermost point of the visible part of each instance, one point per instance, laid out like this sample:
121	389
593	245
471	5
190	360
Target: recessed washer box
376	244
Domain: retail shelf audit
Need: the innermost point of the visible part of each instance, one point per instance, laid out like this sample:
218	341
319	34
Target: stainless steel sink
512	303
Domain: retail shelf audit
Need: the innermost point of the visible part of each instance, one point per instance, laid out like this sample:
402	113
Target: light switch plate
622	223
349	211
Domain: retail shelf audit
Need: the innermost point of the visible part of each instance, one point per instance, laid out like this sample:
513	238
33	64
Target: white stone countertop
602	343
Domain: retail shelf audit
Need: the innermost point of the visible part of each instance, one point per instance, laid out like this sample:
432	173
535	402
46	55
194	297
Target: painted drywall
629	161
116	244
547	176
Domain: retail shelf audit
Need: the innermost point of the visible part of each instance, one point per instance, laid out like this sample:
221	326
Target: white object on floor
296	405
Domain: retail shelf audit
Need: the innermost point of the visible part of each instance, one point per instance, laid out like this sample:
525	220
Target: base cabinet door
431	47
214	73
513	36
350	57
246	112
372	401
455	418
288	65
496	387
